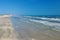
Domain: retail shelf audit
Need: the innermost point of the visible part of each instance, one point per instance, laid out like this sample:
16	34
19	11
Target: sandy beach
7	31
21	28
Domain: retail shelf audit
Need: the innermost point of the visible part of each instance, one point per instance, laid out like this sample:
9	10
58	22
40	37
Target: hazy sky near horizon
30	7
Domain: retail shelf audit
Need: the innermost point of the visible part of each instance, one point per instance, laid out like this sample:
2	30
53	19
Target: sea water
37	27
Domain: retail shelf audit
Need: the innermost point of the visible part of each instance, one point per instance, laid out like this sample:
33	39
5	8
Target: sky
30	7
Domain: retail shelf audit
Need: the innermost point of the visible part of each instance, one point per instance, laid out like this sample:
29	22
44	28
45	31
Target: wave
45	18
46	22
55	26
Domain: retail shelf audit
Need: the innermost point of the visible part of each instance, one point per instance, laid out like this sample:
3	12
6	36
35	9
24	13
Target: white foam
46	22
5	15
53	19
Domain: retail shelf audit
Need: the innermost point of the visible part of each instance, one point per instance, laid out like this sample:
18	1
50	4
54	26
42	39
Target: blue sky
30	7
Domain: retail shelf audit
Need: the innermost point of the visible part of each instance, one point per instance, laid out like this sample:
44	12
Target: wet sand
28	30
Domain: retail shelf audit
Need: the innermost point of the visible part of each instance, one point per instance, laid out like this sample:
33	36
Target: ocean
37	27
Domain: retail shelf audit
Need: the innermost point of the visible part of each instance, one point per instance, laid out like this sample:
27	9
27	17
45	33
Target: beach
24	28
30	30
7	31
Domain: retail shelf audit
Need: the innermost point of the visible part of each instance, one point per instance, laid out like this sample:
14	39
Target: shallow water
28	30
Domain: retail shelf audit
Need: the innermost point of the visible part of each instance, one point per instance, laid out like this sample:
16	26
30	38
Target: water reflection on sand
28	30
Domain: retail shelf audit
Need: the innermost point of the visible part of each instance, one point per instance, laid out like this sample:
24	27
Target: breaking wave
52	22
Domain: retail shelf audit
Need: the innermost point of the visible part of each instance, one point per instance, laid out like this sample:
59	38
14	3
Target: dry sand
7	31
